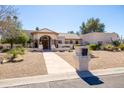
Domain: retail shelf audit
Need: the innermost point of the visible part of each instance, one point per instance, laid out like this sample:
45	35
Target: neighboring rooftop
28	32
101	33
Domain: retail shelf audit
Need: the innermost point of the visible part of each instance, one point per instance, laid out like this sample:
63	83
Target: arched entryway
45	41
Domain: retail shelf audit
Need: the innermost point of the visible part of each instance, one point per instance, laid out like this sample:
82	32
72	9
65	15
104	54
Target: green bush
16	51
108	47
13	53
92	46
116	43
121	46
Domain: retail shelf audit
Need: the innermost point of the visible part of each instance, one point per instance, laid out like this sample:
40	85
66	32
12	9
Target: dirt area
33	64
102	60
67	56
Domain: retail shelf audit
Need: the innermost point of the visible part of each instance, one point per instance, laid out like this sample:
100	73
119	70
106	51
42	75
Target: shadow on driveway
89	78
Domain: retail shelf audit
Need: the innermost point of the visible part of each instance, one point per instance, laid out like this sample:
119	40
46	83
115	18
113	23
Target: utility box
82	56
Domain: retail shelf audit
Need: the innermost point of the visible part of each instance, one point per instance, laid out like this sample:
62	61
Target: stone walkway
55	64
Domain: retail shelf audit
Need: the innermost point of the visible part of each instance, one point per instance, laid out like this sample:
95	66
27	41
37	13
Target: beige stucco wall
62	38
37	36
92	38
96	37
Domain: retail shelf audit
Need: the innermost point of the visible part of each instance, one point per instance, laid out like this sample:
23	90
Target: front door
45	42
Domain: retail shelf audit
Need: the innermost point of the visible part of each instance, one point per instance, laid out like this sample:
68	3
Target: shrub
108	47
16	51
116	43
92	46
121	46
13	53
21	51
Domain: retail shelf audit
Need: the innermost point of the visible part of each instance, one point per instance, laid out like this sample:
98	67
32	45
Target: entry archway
46	42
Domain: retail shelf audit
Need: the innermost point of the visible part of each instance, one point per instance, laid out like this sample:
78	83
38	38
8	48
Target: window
76	42
60	41
71	42
66	42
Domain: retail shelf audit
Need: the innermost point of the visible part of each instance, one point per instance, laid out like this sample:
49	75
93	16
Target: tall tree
83	28
11	32
78	33
5	11
92	25
23	38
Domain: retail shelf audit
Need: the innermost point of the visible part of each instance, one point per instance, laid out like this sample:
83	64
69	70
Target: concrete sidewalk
56	64
55	77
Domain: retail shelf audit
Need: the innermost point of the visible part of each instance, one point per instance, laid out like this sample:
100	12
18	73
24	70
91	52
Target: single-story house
47	38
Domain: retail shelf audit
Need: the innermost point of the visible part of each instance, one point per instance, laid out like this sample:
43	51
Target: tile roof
45	30
69	36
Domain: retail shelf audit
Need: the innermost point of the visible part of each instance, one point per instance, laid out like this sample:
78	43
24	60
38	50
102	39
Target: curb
55	77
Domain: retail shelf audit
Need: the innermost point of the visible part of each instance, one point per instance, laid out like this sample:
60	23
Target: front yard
102	60
33	64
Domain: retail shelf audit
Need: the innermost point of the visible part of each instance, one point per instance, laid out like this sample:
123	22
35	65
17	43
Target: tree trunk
11	45
23	44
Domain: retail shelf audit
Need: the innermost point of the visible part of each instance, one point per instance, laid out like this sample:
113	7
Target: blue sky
69	18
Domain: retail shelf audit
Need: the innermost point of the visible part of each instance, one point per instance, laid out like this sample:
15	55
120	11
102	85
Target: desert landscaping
101	59
33	64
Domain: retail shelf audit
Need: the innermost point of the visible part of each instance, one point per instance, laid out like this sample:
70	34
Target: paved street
108	81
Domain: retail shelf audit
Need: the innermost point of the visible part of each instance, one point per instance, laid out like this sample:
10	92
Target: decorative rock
18	59
4	61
